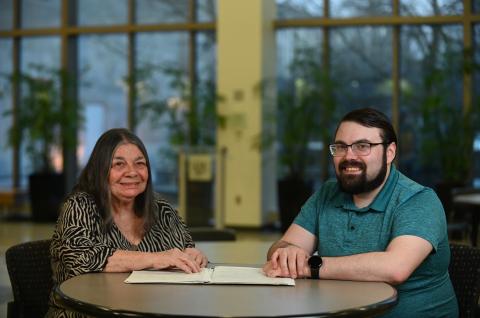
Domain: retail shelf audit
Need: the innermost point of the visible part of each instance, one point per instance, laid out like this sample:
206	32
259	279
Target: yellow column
246	182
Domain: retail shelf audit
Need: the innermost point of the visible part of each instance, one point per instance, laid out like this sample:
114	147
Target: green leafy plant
306	111
46	117
448	131
191	112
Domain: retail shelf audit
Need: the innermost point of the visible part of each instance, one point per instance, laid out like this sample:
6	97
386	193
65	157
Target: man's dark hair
370	117
94	177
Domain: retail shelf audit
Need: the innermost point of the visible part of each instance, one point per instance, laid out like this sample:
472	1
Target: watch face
315	261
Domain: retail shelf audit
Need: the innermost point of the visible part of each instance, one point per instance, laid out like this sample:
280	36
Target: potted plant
191	111
306	110
45	121
447	131
192	120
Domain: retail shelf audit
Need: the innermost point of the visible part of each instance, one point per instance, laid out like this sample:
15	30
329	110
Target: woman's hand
197	255
270	271
176	258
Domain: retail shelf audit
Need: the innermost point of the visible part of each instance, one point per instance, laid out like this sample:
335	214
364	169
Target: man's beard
357	184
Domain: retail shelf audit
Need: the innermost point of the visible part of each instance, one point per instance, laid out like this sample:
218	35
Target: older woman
113	222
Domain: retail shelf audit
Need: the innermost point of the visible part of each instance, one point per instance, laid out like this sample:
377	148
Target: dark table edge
99	311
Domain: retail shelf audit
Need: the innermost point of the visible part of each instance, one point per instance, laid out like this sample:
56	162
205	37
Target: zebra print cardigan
80	245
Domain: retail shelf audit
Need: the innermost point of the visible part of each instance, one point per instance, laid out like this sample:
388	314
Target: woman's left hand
197	255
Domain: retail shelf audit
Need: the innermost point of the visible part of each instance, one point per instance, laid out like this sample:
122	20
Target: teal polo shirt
402	207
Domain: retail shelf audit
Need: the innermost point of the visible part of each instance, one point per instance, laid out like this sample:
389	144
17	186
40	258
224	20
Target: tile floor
12	233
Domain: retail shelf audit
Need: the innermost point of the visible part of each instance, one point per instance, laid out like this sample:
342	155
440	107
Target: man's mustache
351	163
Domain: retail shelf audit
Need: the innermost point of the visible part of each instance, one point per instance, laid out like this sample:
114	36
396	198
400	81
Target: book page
170	276
246	275
217	275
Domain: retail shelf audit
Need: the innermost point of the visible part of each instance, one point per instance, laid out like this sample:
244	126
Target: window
107	48
164	11
103	67
160	70
106	12
431	94
6	14
38	52
6	164
40	14
359	8
397	62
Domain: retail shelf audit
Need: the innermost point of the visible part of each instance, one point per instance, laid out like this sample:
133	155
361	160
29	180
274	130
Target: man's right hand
289	261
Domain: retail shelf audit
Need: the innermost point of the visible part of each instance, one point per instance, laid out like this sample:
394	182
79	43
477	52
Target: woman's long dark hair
94	177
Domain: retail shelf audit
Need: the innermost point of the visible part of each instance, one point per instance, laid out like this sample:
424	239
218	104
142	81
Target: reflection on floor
12	233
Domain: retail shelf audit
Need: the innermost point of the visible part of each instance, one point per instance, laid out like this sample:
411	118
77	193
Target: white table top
470	198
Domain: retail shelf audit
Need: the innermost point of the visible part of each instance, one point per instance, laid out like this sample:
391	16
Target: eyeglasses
358	148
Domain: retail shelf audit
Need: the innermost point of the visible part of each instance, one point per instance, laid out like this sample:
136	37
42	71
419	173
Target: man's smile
351	167
352	170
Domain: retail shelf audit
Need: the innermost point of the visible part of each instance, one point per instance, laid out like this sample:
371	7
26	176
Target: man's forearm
395	265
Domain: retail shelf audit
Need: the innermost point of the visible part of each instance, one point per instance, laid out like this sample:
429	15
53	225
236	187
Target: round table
106	294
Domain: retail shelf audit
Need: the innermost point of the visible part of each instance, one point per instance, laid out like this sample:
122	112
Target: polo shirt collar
379	204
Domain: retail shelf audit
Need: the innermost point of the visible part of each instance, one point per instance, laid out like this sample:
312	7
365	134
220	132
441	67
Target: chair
30	272
464	272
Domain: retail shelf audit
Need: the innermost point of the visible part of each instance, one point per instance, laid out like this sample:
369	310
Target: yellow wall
246	56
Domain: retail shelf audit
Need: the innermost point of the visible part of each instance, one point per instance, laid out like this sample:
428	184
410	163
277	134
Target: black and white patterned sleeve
77	244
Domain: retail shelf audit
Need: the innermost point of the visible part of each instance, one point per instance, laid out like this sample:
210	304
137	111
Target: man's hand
290	261
288	257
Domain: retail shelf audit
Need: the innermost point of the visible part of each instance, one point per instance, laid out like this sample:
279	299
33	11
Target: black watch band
315	262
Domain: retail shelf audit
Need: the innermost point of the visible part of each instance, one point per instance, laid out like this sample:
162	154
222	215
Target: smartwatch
315	262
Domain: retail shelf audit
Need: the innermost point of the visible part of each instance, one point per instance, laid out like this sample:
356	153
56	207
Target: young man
371	224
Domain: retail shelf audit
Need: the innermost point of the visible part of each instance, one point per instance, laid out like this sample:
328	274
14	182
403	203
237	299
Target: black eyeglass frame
331	147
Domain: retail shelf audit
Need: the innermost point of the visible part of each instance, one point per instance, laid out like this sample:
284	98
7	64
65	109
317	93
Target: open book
214	275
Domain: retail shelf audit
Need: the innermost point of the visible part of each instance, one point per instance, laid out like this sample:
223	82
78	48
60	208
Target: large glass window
431	101
5	105
476	6
162	64
40	14
359	8
206	56
102	91
163	11
296	9
302	86
44	51
361	71
353	65
206	10
38	54
428	107
105	12
6	14
358	75
476	104
162	77
430	7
